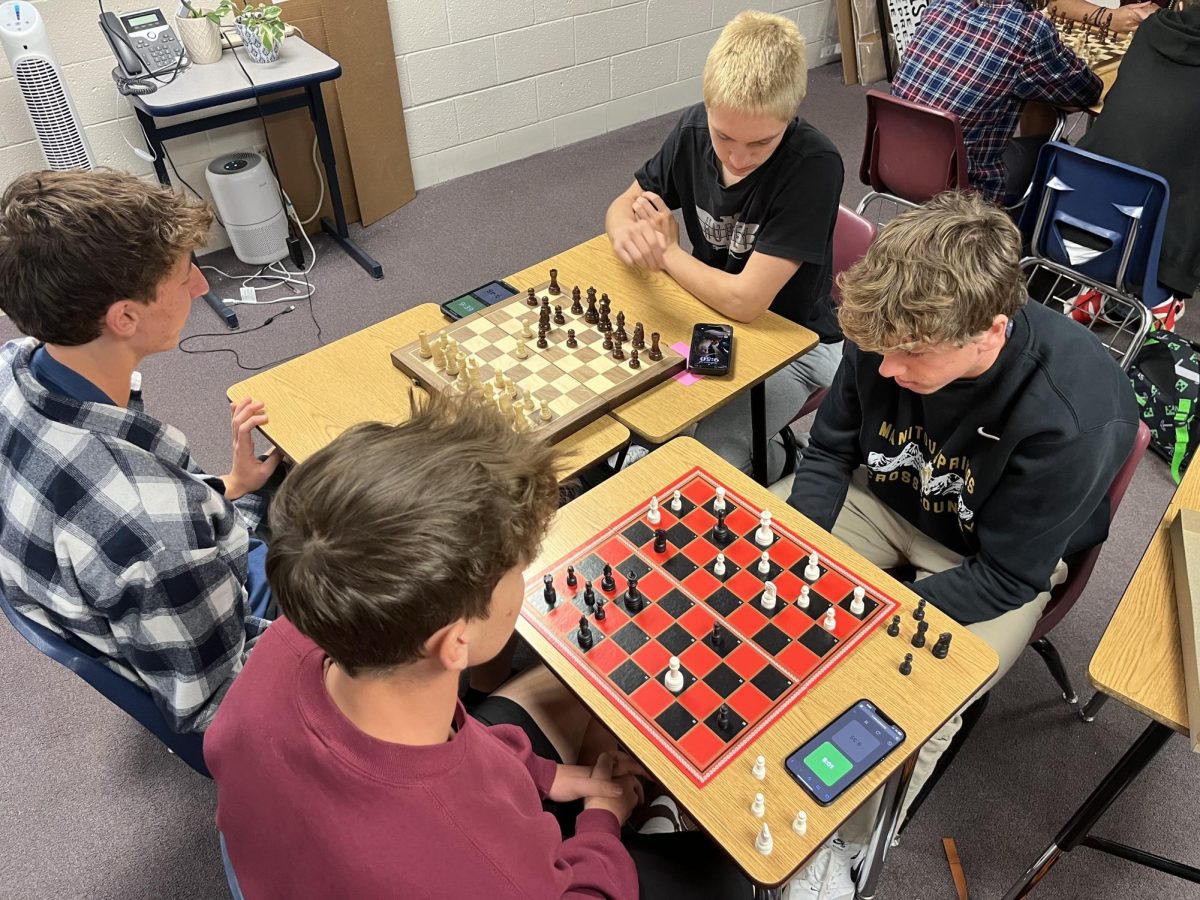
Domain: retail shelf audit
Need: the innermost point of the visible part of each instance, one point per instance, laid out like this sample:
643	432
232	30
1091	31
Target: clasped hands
644	241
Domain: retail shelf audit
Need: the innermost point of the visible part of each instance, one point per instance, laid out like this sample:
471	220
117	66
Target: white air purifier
246	196
39	79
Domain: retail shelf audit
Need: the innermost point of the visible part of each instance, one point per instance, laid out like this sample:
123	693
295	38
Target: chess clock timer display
844	751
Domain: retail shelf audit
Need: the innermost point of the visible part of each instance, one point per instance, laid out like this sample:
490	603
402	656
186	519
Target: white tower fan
39	78
246	195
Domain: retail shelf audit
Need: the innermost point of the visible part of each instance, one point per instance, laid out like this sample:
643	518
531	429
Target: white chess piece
759	806
653	516
759	769
764	537
830	622
763	843
764	563
719	502
676	502
856	605
800	823
812	571
802	600
769	595
673	680
719	565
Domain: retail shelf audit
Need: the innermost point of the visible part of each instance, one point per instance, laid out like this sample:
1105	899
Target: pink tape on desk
685	377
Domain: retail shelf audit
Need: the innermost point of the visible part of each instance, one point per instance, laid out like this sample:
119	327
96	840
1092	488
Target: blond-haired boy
758	191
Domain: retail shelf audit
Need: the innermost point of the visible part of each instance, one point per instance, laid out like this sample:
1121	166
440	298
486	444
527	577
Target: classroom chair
131	697
1094	230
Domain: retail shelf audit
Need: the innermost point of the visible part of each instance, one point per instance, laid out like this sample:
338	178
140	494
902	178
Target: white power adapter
249	295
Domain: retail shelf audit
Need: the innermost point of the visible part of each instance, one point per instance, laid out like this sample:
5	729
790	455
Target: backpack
1166	381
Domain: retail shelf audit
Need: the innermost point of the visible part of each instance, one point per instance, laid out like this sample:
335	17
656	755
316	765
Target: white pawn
800	823
676	502
764	563
673	680
759	806
764	536
719	565
830	622
719	502
856	605
654	516
802	600
812	571
522	352
759	770
763	843
769	595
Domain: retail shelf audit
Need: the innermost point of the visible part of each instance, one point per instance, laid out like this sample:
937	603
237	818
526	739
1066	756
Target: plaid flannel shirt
112	534
981	60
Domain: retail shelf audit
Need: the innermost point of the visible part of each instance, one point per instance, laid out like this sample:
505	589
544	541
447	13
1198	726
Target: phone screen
711	349
844	751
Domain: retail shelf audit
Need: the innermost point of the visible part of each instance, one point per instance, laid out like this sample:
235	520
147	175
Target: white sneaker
829	876
635	452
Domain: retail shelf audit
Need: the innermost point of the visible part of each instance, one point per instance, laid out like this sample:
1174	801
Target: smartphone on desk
844	751
711	349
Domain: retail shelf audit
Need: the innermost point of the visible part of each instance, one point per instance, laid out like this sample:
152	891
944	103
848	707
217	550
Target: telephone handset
143	42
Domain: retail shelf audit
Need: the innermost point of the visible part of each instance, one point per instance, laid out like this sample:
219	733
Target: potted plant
200	30
261	30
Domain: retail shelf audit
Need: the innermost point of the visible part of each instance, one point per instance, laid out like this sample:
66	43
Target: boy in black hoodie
967	433
1149	120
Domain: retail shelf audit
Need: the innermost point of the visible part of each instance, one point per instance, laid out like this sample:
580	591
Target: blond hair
757	66
938	274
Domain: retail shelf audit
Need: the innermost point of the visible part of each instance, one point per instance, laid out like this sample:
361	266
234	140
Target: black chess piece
639	336
919	612
542	343
620	332
572	580
571	340
607	582
591	316
559	318
723	718
941	647
548	592
554	288
660	540
605	323
906	666
605	303
589	594
600	609
634	362
918	639
531	297
585	634
618	353
576	303
634	601
893	629
608	343
720	532
718	635
655	351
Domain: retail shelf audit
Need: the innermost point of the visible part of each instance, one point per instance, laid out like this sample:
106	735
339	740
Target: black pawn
589	595
941	647
893	629
720	532
660	541
723	718
585	634
906	666
599	609
571	340
918	639
718	635
919	612
607	582
634	362
531	297
572	581
548	591
607	343
559	318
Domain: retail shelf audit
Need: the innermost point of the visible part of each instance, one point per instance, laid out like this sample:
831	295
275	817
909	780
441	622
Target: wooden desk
761	348
317	396
920	703
1108	74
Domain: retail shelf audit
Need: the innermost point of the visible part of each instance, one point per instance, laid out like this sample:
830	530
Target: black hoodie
1151	120
1010	469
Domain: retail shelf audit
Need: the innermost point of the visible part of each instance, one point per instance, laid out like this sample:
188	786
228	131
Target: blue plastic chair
135	700
1097	225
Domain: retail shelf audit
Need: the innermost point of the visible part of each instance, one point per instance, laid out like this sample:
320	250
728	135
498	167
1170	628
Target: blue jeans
257	587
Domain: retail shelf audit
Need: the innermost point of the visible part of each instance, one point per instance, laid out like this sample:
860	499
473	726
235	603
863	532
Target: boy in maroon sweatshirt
345	765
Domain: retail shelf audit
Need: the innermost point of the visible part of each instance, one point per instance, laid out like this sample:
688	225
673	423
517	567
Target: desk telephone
143	42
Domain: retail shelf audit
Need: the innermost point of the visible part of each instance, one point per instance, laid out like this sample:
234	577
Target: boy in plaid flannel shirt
112	534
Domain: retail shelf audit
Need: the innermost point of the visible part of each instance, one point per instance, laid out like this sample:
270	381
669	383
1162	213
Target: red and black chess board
766	660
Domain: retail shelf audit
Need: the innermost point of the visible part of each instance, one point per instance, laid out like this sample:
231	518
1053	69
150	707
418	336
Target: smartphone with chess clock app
844	751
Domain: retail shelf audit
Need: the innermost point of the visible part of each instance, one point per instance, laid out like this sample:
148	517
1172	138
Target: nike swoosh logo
990	437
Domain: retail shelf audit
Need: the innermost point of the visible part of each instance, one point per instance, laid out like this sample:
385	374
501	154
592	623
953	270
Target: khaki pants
888	540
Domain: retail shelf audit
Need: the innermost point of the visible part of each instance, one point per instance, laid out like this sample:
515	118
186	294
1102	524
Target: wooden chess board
1096	46
573	386
765	660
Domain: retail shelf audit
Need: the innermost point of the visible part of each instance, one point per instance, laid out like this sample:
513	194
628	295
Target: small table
1140	662
761	347
202	88
920	703
315	397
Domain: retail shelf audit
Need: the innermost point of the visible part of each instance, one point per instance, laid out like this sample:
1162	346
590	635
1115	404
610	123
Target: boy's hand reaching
249	473
620	770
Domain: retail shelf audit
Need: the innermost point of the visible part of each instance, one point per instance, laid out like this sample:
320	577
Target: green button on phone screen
828	763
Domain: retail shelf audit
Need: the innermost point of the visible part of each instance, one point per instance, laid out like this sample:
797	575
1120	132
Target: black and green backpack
1166	381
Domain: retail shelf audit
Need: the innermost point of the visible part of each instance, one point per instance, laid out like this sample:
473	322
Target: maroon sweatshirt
310	806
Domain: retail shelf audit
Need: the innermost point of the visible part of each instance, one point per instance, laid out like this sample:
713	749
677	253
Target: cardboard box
1185	551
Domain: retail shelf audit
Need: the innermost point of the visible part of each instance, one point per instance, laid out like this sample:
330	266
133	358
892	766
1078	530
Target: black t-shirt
786	207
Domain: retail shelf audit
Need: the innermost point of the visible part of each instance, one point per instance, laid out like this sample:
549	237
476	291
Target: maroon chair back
1080	565
912	151
852	235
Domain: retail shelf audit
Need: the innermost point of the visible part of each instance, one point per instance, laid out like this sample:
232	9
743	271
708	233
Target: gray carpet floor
94	807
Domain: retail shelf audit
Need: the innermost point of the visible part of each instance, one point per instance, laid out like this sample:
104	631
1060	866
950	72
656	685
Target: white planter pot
201	39
254	46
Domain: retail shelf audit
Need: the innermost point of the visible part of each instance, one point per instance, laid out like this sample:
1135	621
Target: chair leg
791	451
1049	653
1089	710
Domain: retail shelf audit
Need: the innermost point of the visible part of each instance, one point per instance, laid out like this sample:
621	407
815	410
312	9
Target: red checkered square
699	700
740	521
746	660
701	551
789	586
699	659
700	521
833	587
606	655
654	584
701	746
652	657
698	621
700	584
792	622
652	698
614	619
653	620
745	585
743	553
698	491
787	553
797	660
747	620
750	702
